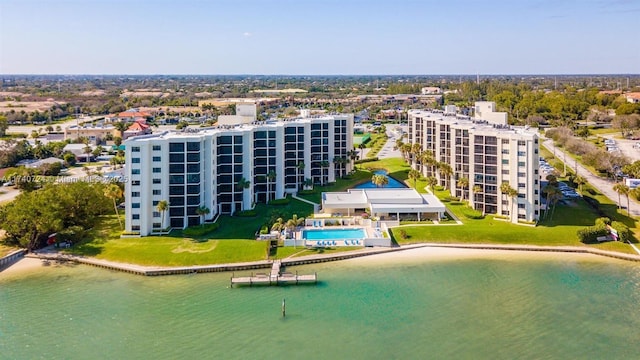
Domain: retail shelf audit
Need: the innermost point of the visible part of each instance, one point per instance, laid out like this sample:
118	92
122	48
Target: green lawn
560	230
233	242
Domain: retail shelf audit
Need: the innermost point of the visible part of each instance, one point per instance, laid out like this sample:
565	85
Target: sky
320	37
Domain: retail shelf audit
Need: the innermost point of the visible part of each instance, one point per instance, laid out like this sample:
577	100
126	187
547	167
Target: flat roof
383	200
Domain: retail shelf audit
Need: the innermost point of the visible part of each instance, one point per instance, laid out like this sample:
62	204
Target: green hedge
283	201
590	234
245	213
366	160
623	231
200	230
470	213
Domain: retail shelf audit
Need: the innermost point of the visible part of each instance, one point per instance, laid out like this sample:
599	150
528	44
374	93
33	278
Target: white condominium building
488	152
230	168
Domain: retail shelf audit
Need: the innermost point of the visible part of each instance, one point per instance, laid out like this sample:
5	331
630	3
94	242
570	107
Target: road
605	186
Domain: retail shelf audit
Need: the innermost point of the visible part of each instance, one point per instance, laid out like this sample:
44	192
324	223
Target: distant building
94	133
633	97
430	90
136	129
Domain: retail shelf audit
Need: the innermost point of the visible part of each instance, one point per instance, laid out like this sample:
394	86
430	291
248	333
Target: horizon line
317	75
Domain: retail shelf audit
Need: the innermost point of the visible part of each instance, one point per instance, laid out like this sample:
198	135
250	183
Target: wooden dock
276	277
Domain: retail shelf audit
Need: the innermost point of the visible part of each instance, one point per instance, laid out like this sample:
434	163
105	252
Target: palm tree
242	185
278	225
353	155
121	126
405	149
301	166
114	192
510	192
579	180
416	150
337	161
202	211
431	182
399	144
428	159
308	183
361	147
414	175
553	196
476	190
462	183
323	164
445	171
271	175
163	206
380	180
622	189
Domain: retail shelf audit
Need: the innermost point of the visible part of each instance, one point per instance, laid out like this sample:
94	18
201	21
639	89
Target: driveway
605	186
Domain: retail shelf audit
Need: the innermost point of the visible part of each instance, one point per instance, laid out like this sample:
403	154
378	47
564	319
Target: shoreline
36	262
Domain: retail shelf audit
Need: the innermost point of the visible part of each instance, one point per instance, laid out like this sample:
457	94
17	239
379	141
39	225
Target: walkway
605	186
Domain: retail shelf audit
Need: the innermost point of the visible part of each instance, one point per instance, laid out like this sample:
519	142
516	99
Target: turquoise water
333	234
393	183
562	308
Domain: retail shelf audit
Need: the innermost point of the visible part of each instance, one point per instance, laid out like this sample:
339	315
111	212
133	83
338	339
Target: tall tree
162	207
271	176
477	189
4	125
202	211
114	193
414	175
622	189
463	183
445	171
242	185
323	165
510	193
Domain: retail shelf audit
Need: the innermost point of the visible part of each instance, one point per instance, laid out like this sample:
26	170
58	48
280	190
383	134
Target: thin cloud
247	34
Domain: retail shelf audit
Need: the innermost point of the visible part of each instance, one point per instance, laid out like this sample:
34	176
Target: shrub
200	230
402	234
283	201
590	234
72	234
470	213
623	231
366	160
264	230
438	188
306	192
245	213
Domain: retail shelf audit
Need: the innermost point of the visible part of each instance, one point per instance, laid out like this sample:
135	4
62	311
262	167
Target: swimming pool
333	234
393	183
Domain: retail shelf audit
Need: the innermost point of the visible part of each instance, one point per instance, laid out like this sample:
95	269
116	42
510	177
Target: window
156	214
157	192
135	216
176	147
135	182
135	205
193	146
157	158
505	161
135	194
155	202
157	181
520	163
521	153
521	174
157	225
156	147
157	170
521	143
135	227
521	206
135	160
135	149
135	171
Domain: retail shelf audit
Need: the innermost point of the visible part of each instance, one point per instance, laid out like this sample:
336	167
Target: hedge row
200	230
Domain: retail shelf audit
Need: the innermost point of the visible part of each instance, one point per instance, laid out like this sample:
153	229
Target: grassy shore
233	240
